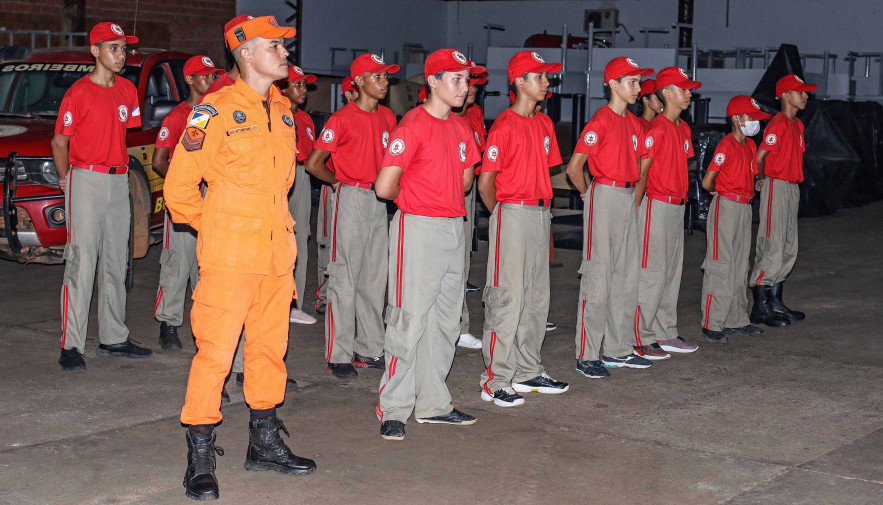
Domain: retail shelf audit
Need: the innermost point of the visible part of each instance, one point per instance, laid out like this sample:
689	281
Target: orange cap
265	27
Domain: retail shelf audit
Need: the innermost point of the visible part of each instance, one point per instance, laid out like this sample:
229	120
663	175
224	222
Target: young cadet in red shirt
355	137
652	104
475	117
178	260
89	150
326	214
427	169
515	184
609	283
780	170
730	178
300	200
666	149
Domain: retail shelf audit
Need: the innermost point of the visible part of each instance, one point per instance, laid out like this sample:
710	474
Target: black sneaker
72	361
240	379
504	397
452	417
368	362
168	337
320	308
392	430
471	288
122	350
715	337
748	329
343	370
628	361
591	369
225	397
541	384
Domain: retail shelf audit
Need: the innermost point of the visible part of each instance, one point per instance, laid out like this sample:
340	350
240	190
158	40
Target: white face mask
750	128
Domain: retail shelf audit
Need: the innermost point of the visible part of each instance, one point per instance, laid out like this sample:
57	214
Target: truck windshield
37	88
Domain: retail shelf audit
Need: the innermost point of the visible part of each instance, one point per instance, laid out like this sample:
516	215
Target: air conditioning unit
605	20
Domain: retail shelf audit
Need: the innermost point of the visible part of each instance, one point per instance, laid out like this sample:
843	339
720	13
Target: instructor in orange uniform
241	141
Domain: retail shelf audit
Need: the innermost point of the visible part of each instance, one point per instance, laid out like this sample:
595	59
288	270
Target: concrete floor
793	417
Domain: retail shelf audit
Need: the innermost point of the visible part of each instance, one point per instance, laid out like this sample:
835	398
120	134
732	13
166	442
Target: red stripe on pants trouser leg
490	373
707	309
391	369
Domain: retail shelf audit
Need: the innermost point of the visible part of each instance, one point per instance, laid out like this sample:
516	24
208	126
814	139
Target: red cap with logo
346	84
201	65
793	83
746	105
623	67
648	87
530	61
295	73
103	32
265	27
372	63
421	95
676	76
449	60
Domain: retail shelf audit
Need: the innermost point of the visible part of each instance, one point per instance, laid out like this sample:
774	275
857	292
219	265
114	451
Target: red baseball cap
370	62
479	78
449	60
421	95
264	26
109	31
295	73
793	83
648	87
201	65
530	61
346	84
677	76
746	105
623	67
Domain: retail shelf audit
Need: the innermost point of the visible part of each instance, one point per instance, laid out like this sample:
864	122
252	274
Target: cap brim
478	81
130	39
758	115
547	67
209	71
274	32
807	88
382	68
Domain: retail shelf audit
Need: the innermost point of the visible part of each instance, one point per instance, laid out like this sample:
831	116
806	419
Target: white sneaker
468	341
301	317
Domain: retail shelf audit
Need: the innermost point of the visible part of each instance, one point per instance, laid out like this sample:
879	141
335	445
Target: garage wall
194	27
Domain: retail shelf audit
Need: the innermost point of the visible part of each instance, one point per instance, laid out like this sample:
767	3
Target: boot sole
253	466
171	347
199	497
112	354
392	437
436	421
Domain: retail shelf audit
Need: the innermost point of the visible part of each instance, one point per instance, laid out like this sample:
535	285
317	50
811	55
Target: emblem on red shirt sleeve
163	133
327	135
477	139
193	138
546	144
124	113
635	142
397	147
385	139
310	133
719	159
68	118
648	142
686	146
591	138
492	153
462	151
771	139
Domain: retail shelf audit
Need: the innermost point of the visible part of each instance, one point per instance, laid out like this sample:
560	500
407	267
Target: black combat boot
168	337
199	479
267	451
779	307
762	312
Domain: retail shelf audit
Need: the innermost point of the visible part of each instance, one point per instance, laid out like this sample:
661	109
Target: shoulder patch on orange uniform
193	138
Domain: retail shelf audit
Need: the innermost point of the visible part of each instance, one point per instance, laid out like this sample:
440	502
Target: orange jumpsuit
243	146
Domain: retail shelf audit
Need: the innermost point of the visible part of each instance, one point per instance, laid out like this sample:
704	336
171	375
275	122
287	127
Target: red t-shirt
221	82
645	125
611	141
356	140
173	127
432	153
670	146
476	119
96	119
306	134
783	138
521	150
736	166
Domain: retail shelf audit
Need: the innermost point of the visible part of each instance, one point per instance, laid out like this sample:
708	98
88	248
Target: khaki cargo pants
178	266
324	220
468	229
777	233
299	205
725	282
